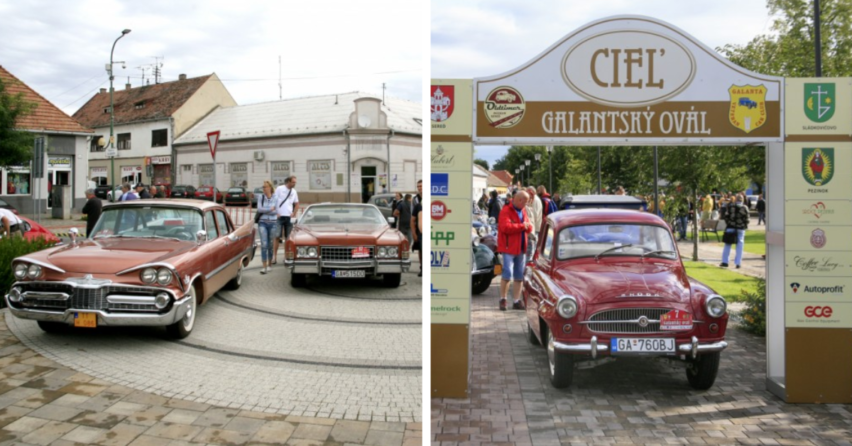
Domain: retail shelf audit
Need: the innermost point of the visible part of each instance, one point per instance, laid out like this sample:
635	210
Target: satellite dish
363	121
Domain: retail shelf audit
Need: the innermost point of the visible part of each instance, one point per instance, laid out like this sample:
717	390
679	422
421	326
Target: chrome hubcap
551	353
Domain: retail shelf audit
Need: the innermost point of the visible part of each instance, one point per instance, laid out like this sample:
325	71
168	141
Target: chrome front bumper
693	348
177	312
372	266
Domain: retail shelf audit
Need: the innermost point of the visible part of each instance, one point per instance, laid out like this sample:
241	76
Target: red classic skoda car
605	283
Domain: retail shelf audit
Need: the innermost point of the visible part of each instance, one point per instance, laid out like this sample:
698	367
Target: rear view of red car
206	193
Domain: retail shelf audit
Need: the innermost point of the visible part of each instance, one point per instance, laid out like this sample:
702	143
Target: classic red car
345	241
147	262
33	230
605	283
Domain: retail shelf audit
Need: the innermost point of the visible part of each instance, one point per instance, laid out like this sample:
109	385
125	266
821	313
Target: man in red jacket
512	229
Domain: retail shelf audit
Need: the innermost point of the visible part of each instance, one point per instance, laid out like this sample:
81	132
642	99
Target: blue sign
440	259
440	184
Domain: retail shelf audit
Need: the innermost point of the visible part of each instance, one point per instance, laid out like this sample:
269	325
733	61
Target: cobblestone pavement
296	366
635	401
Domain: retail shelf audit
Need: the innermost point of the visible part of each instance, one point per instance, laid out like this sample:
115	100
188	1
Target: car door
216	256
233	246
541	264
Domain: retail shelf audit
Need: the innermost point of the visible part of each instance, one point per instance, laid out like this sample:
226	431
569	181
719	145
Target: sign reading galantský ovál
623	78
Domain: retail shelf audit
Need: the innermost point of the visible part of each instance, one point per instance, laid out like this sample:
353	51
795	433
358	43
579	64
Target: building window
280	172
139	105
320	174
123	141
18	182
93	144
159	138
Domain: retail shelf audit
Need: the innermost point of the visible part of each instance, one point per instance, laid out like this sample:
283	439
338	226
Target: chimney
127	86
182	77
103	90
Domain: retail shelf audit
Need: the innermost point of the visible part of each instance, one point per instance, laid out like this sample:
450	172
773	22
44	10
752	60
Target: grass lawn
723	281
755	242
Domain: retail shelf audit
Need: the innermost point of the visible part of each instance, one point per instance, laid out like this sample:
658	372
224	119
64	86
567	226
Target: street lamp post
112	113
529	172
517	171
550	168
522	175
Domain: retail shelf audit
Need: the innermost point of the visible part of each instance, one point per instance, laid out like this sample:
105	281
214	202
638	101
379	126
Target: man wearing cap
142	191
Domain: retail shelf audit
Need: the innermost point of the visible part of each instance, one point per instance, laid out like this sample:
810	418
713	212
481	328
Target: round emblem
504	107
818	238
439	210
643	321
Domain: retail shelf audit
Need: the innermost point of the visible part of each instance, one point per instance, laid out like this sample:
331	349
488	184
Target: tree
482	163
16	147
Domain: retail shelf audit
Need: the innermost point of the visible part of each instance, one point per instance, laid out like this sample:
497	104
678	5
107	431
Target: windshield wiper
659	251
612	249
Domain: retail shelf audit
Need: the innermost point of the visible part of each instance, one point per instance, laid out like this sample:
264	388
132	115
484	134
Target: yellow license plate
498	269
86	320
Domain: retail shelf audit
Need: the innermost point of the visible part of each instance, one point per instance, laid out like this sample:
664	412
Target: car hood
622	282
111	255
331	234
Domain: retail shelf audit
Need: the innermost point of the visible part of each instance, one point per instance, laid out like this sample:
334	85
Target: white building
341	147
480	181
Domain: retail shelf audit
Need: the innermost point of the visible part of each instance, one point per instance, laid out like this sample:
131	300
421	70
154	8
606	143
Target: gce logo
811	311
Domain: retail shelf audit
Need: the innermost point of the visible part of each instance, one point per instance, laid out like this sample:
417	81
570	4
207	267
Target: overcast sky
59	48
486	37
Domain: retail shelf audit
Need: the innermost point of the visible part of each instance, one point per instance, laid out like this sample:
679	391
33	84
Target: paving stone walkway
630	401
45	403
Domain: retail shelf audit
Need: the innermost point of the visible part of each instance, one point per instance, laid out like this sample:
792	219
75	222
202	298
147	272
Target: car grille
342	254
85	298
624	320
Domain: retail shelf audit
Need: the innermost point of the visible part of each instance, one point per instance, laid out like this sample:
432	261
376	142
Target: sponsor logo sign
441	159
676	320
817	165
504	107
816	264
795	287
748	107
818	311
361	252
443	236
440	259
439	210
816	289
442	102
820	101
817	210
818	238
440	184
628	68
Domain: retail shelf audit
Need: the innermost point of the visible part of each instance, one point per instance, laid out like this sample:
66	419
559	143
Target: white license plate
642	345
349	274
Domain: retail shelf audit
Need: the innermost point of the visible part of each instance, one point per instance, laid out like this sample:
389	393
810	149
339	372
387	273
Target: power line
77	86
87	93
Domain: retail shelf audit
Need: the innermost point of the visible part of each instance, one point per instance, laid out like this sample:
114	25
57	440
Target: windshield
614	238
148	221
342	215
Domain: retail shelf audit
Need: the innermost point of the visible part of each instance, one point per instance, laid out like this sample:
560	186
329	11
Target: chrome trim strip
41	264
694	348
44	295
593	347
130	300
148	265
225	265
74	285
175	314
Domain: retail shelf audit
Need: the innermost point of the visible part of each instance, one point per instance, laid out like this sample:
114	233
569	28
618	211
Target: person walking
142	191
684	205
736	219
397	198
512	241
267	226
417	198
92	211
494	206
403	217
417	224
534	212
127	194
707	208
761	210
286	207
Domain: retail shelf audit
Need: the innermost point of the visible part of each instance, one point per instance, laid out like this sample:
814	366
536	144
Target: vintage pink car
605	283
147	262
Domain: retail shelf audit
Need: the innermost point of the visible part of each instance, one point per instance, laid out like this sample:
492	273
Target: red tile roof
503	175
46	117
148	102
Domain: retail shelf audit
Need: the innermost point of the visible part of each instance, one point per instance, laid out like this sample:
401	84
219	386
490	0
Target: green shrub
754	313
11	247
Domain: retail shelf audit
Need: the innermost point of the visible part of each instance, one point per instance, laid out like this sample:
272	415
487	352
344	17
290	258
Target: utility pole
280	91
656	182
111	149
600	188
817	40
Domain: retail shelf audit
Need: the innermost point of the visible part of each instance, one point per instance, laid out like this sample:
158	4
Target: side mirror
201	237
391	220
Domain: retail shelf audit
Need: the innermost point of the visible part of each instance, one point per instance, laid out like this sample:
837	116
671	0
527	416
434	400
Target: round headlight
302	251
148	275
567	307
393	251
161	301
33	271
164	276
20	271
383	252
312	251
15	295
716	305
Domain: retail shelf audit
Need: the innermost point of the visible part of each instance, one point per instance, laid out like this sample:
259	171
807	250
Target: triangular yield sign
212	141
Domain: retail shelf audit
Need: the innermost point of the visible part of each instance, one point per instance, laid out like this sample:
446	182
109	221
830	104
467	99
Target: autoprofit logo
440	184
795	287
440	259
817	289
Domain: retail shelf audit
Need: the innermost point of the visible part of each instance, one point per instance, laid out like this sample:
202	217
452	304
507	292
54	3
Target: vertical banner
817	240
450	240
